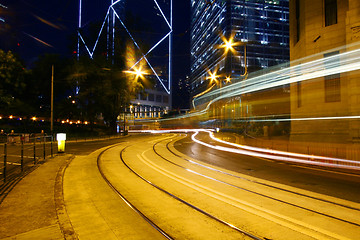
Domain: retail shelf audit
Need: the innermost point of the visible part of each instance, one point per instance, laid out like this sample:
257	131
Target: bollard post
61	138
5	156
34	151
22	155
44	147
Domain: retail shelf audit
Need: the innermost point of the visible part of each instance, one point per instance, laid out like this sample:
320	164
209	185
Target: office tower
259	28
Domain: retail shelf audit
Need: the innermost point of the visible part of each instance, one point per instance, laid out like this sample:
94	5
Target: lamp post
229	44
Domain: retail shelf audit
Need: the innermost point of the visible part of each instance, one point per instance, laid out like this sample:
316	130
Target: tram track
155	148
143	215
260	183
355	224
167	236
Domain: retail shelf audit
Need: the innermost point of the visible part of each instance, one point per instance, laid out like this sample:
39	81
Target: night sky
35	27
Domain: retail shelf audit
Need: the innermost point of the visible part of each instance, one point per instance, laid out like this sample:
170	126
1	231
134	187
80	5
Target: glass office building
259	26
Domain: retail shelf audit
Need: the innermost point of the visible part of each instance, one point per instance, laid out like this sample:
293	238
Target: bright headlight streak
281	152
171	131
294	71
268	156
350	67
301	119
349	62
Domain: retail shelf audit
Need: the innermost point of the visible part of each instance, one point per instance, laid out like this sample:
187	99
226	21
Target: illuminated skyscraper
149	30
259	26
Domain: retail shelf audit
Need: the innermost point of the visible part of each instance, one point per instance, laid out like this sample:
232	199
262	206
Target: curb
62	215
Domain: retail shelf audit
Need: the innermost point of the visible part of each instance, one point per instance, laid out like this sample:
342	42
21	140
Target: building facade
260	28
323	29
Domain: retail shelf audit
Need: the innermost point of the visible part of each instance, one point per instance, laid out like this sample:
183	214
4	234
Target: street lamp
137	72
228	79
229	44
213	76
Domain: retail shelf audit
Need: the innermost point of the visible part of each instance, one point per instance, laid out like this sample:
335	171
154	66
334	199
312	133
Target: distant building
319	27
262	25
122	24
151	103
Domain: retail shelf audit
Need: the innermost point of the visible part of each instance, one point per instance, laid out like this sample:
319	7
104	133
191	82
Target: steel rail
187	203
261	183
135	209
263	195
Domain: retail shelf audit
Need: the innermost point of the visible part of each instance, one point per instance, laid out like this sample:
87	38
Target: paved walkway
34	209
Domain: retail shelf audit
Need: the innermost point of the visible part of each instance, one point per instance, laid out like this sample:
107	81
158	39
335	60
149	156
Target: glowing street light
228	79
212	76
138	73
228	45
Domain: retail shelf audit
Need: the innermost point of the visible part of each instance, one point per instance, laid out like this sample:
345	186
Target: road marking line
280	219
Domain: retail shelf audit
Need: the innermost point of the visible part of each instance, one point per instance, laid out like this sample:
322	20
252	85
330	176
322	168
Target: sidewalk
34	209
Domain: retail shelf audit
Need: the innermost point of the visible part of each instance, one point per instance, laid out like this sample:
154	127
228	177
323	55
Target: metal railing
23	153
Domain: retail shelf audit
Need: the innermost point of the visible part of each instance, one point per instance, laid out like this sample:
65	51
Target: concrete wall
315	38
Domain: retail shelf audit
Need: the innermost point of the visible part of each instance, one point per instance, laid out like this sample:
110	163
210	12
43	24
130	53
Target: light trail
298	119
264	153
281	152
336	64
171	131
39	40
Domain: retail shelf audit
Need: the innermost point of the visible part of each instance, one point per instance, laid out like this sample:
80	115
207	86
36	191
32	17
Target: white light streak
302	119
281	152
171	131
341	63
282	156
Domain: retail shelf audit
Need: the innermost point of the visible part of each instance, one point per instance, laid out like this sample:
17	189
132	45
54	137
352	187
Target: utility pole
52	100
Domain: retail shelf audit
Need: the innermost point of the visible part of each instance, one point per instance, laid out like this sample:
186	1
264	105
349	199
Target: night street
180	119
234	203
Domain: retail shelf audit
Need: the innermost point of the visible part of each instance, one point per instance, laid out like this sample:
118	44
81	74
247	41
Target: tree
12	81
103	89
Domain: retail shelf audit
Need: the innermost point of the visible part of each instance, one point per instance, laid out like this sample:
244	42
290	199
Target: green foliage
12	80
104	89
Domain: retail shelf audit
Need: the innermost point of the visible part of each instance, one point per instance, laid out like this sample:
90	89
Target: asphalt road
328	182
